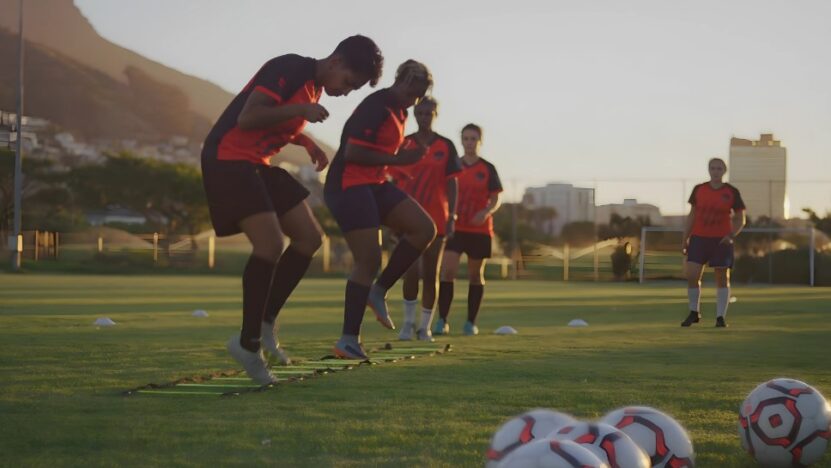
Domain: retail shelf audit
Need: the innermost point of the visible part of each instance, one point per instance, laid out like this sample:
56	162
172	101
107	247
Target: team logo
480	175
725	197
438	155
282	82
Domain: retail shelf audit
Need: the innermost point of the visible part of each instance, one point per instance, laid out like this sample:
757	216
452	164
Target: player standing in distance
479	189
245	194
361	199
432	183
716	218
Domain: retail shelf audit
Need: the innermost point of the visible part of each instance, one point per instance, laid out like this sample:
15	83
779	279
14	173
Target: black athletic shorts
239	189
710	251
362	206
473	244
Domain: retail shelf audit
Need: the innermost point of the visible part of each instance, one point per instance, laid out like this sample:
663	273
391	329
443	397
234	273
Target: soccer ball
552	453
522	429
785	422
611	445
665	441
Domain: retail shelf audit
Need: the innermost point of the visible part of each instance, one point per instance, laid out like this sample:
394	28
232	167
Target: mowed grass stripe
60	377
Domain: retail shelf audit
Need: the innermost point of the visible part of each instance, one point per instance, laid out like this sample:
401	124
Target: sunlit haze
643	92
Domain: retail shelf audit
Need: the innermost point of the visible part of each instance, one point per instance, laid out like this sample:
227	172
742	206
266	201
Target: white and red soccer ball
523	429
785	422
609	444
552	453
664	440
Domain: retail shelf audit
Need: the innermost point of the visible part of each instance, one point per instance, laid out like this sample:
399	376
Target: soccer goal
778	255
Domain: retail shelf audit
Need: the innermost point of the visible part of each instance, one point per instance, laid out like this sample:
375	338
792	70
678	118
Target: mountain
92	104
60	26
92	87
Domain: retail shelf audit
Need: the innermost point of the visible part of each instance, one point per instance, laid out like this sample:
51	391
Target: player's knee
309	244
269	251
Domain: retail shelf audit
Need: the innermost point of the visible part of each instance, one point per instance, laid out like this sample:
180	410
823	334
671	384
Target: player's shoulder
445	140
487	164
290	60
700	186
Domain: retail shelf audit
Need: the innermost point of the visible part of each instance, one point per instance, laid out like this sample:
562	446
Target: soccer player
245	194
716	218
361	199
432	183
479	189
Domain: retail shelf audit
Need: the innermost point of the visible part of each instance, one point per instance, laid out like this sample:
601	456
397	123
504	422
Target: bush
788	267
622	261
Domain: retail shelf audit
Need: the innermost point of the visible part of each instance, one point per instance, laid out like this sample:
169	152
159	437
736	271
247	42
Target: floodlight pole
15	240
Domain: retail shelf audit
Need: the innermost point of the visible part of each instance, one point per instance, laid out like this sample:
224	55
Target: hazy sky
574	91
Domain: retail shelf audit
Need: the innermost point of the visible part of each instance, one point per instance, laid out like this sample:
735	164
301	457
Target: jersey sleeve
738	203
365	124
454	164
280	78
691	200
494	184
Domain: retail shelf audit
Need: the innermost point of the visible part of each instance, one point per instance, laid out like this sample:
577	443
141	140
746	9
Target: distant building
632	209
571	203
759	169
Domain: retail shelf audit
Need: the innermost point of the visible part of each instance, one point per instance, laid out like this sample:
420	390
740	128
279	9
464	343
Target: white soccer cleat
253	363
425	334
271	344
407	331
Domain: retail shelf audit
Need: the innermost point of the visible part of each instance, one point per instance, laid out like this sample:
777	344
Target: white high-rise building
571	203
759	169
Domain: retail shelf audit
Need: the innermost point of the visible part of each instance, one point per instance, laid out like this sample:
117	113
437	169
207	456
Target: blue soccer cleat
441	327
470	329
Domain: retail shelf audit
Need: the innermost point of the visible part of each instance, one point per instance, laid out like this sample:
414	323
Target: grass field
61	378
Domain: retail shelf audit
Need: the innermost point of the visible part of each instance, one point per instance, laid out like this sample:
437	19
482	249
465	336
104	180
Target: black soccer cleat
694	317
720	323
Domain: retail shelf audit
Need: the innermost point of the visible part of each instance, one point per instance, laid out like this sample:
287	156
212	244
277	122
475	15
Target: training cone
578	323
104	322
199	313
506	330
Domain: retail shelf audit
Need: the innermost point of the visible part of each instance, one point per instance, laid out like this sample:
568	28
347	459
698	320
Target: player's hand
313	112
726	240
450	228
318	157
480	218
684	244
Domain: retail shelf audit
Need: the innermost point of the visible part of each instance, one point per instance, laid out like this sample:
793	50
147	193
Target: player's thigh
450	265
410	219
300	225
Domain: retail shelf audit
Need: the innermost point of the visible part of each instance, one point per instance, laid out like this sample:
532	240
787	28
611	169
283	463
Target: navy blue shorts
710	251
362	206
238	189
475	245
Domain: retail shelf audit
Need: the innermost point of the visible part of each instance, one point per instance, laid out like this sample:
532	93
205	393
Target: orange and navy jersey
426	180
713	209
378	124
477	183
288	79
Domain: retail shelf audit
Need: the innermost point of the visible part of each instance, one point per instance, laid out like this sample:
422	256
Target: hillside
96	89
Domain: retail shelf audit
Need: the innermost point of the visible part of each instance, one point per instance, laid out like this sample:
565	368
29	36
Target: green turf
61	378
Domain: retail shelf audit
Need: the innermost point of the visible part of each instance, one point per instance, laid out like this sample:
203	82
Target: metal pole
811	254
17	254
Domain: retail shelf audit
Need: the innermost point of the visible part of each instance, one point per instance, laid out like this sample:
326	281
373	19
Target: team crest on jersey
725	197
480	175
438	155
